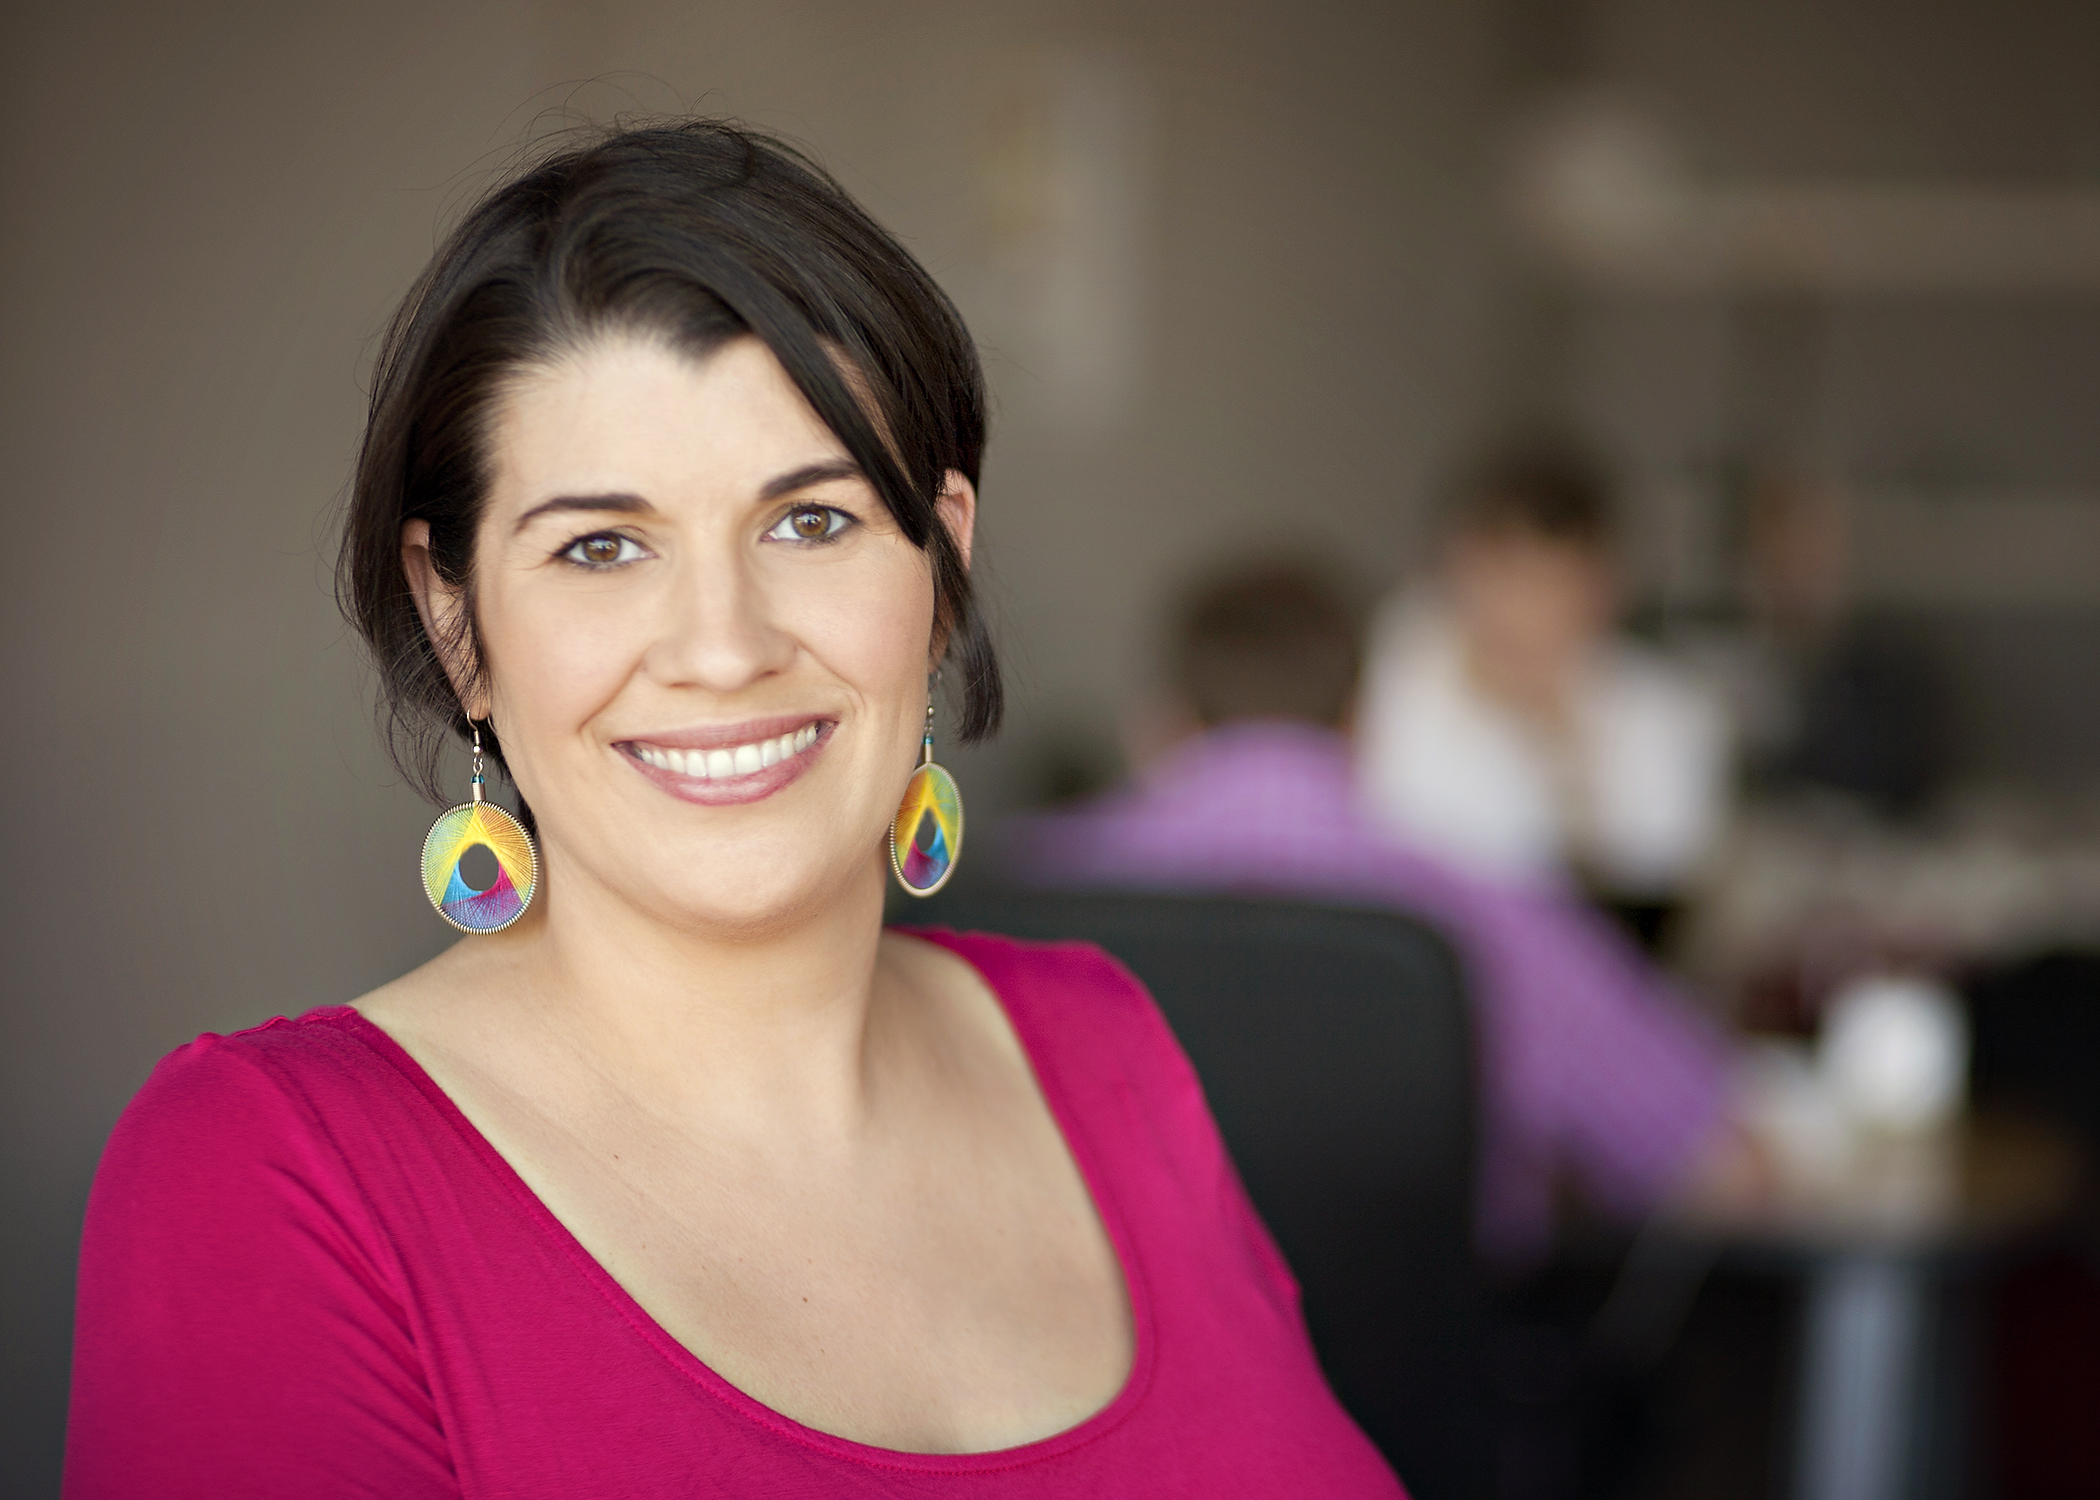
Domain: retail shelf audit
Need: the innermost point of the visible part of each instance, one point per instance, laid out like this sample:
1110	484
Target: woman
683	1176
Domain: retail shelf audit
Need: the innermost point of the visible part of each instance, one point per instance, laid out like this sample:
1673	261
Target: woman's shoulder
240	1279
246	1100
281	1058
1080	976
1078	1011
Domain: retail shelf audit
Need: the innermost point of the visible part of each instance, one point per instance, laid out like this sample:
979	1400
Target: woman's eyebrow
784	484
807	475
630	504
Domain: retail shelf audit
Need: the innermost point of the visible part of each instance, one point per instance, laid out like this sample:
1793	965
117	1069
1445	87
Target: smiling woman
682	1174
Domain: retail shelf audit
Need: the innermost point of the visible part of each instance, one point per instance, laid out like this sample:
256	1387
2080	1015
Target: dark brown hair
1268	641
696	232
1550	488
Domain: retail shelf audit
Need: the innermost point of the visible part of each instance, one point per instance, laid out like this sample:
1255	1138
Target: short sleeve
241	1329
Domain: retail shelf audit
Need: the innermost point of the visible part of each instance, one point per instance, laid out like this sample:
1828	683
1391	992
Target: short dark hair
1267	641
697	232
1552	489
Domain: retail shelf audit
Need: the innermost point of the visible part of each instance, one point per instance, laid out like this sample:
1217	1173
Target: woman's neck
747	1028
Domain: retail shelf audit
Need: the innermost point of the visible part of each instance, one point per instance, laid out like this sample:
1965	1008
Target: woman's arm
240	1328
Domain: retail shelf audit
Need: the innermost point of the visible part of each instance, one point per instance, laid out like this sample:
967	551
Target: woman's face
706	640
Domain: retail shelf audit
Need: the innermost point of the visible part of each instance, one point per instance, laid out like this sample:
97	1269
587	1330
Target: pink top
305	1273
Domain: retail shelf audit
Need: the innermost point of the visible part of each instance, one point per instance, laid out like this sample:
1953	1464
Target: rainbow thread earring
926	835
461	828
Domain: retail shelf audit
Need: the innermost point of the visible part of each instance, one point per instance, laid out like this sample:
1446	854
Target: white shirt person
1505	725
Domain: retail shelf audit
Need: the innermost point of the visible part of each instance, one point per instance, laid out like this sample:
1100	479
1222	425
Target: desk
1876	1241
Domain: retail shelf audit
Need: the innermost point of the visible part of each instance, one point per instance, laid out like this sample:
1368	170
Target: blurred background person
1596	1077
1824	701
1507	726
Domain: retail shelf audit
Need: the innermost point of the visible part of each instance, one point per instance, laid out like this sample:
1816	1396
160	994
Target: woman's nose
718	631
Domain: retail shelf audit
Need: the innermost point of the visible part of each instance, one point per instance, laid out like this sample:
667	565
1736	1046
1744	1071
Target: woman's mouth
753	767
737	760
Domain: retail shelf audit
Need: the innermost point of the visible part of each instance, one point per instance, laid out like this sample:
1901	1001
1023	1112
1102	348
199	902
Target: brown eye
810	523
604	549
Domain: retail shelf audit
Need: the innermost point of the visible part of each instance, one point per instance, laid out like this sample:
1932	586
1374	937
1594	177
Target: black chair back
1335	1050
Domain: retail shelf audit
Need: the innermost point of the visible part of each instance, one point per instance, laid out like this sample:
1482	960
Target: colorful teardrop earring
461	828
926	835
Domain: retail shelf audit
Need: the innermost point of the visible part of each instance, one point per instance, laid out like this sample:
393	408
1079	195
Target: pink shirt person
1590	1068
306	1274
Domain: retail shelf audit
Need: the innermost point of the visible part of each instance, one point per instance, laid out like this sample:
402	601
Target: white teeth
719	765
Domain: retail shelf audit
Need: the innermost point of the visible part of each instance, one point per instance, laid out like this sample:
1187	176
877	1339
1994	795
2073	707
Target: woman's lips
744	763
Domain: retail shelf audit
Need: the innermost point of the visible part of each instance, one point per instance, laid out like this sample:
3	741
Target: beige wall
209	213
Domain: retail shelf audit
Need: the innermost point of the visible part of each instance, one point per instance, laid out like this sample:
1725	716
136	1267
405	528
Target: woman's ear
442	608
957	507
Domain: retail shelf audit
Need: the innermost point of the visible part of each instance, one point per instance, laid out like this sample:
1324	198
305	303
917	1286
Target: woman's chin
752	902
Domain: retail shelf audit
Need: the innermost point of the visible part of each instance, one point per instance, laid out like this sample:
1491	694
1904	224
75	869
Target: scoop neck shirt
305	1272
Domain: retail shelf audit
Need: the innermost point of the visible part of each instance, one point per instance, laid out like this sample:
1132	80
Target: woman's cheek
557	664
874	630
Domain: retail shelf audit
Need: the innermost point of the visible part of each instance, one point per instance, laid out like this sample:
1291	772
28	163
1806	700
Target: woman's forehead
632	413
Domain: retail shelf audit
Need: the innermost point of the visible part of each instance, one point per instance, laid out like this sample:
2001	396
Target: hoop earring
930	797
461	828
